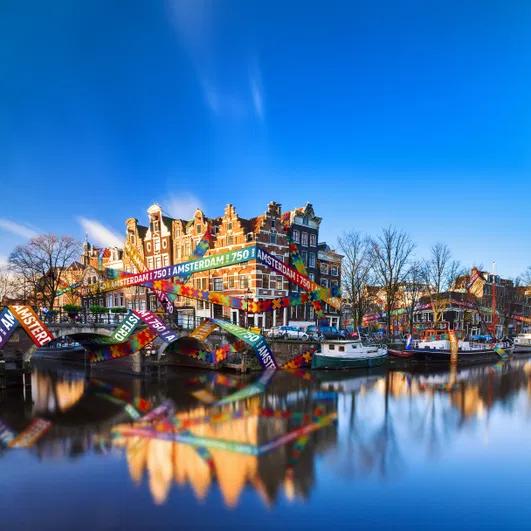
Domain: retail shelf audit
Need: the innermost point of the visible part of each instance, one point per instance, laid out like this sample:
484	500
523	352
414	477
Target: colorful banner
298	262
239	303
256	341
182	270
308	285
204	329
301	361
132	252
35	328
6	435
125	328
121	350
8	324
157	325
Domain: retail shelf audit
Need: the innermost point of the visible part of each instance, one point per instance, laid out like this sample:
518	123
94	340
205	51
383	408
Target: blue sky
415	114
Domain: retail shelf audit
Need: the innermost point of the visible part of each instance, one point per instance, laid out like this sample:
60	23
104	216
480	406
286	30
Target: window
155	226
312	276
148	245
304	256
265	281
305	220
164	244
150	262
229	226
312	260
324	282
231	281
198	229
341	348
230	240
296	236
272	223
304	238
218	284
273	237
333	271
244	282
324	269
332	347
313	240
156	245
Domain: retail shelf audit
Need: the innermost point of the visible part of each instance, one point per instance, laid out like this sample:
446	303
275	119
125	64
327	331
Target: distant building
304	231
329	263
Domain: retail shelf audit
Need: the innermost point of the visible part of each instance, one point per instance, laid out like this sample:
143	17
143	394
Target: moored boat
522	343
348	355
436	349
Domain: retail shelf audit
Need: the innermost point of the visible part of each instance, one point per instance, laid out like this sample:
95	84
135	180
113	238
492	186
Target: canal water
192	450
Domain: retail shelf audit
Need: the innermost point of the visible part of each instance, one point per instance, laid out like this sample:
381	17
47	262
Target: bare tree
415	289
10	285
41	262
356	271
440	271
525	278
391	252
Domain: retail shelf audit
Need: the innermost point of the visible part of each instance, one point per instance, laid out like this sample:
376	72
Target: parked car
332	332
313	333
287	332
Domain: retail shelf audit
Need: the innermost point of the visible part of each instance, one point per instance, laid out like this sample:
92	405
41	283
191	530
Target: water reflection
266	432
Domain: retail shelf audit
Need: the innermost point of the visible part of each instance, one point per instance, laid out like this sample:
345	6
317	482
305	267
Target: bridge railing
85	317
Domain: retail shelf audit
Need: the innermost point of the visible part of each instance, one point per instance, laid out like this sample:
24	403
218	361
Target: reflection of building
250	445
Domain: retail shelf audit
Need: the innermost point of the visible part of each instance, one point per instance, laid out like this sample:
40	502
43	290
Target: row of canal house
165	240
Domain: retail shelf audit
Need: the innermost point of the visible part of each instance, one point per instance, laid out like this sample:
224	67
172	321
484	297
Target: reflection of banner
31	434
8	325
204	329
157	325
253	389
135	343
35	328
6	435
256	341
125	328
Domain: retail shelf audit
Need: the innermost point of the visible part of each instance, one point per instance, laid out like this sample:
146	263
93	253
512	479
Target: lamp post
248	294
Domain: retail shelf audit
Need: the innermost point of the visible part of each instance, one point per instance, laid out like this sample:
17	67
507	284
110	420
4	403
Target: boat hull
331	362
444	356
522	349
400	353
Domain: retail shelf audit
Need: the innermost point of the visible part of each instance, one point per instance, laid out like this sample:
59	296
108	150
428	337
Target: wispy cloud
181	206
100	234
255	84
17	228
194	22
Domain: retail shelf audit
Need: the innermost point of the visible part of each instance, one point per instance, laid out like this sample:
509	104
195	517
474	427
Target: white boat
522	343
337	354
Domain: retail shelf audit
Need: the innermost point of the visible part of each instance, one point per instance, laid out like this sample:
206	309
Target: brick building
329	263
304	231
165	240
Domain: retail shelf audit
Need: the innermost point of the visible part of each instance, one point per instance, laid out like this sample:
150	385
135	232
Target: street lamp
248	294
